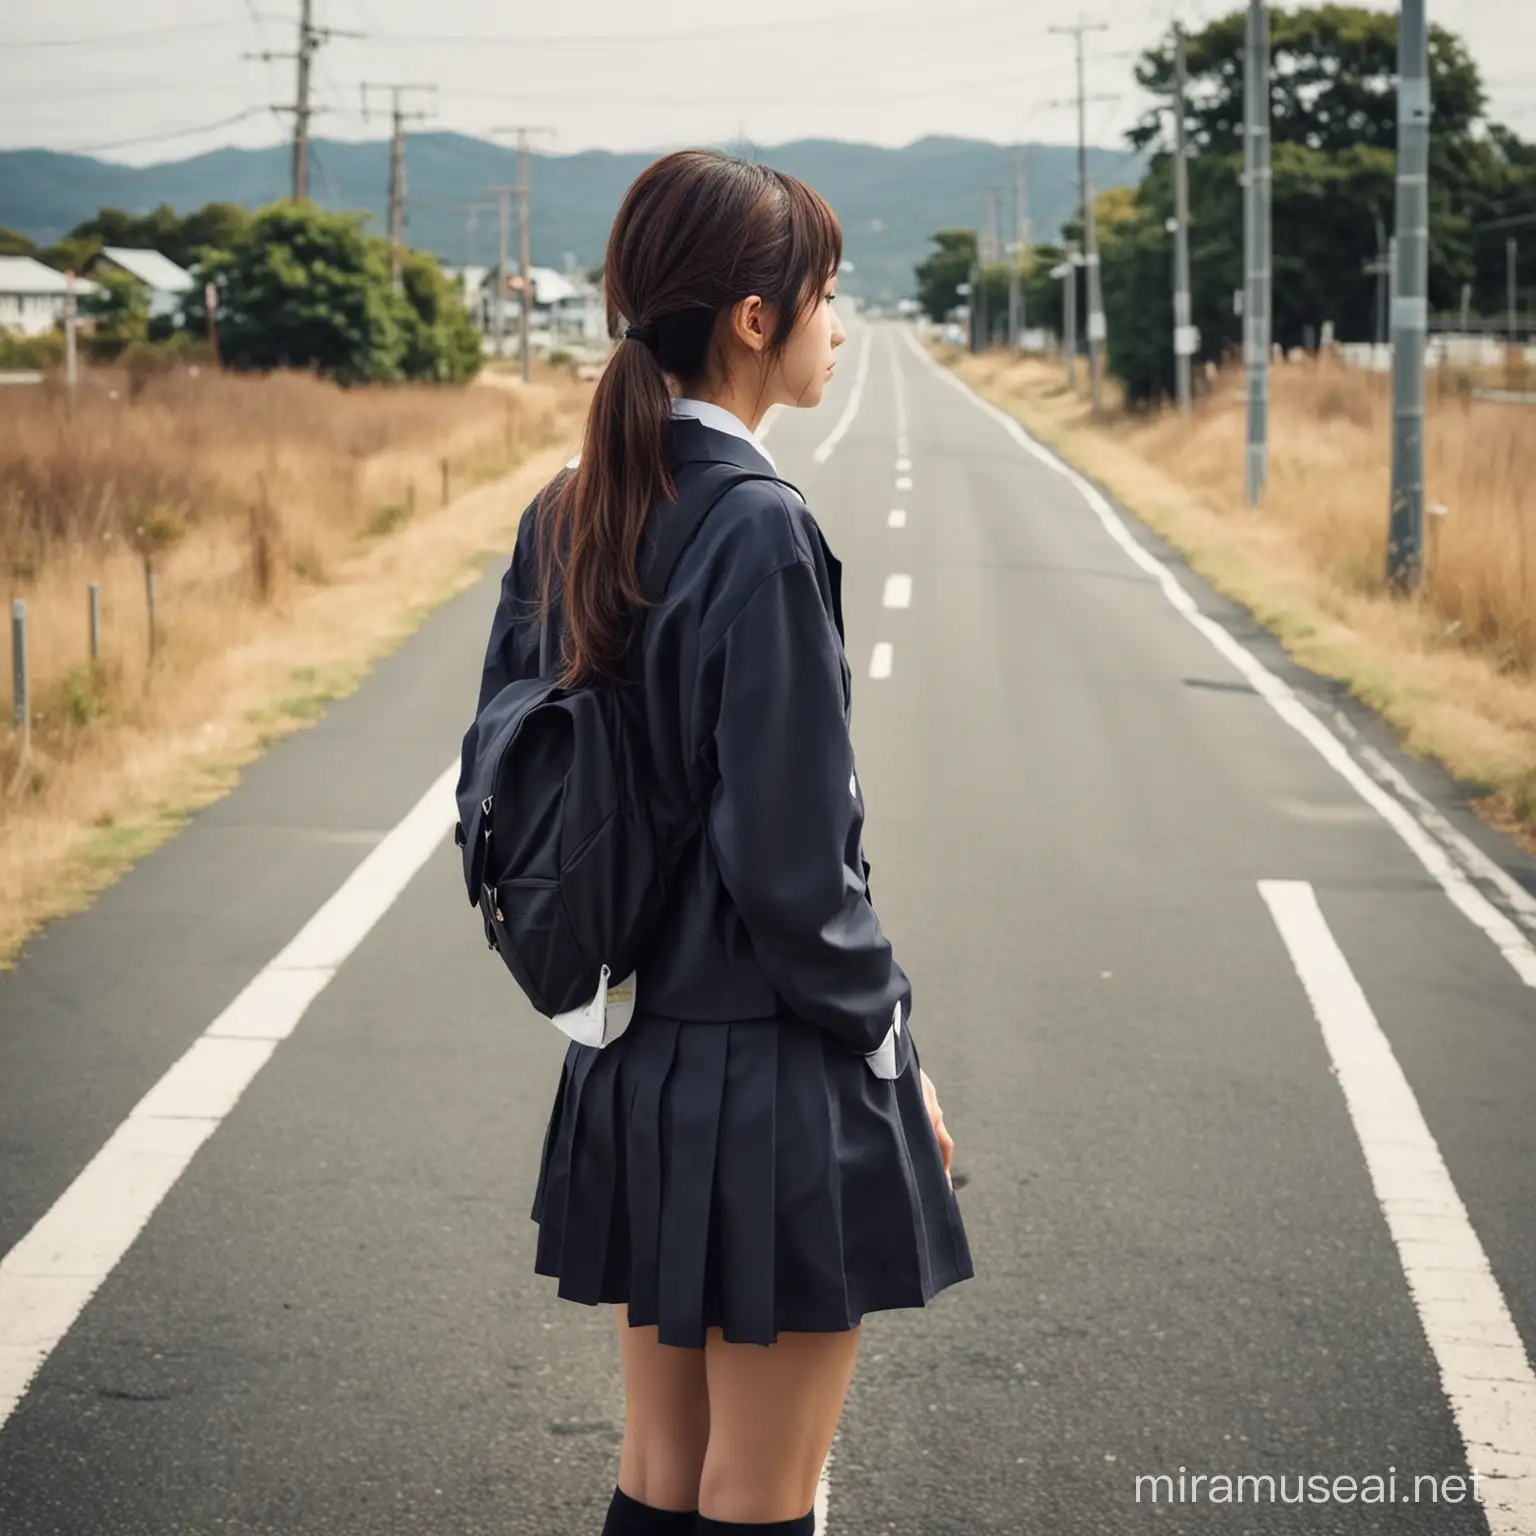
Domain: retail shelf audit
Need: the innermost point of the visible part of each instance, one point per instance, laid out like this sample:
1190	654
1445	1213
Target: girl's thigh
773	1411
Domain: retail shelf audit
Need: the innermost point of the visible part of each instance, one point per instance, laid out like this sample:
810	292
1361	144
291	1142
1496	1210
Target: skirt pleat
751	1176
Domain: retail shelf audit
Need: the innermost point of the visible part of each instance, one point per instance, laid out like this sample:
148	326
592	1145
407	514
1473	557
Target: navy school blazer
748	697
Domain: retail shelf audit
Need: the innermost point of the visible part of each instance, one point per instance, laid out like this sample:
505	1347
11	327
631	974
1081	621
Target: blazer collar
691	442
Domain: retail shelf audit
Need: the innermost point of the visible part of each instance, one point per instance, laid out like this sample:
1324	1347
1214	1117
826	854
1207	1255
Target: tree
1333	83
940	276
120	307
441	342
303	288
13	244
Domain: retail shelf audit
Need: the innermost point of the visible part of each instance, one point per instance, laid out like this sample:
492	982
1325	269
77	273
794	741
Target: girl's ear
749	323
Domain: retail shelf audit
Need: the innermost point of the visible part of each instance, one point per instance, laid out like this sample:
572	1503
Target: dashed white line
1483	1367
1505	935
824	452
47	1279
903	483
897	519
898	591
903	465
880	662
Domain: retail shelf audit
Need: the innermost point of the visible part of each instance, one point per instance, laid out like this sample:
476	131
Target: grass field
294	531
1454	668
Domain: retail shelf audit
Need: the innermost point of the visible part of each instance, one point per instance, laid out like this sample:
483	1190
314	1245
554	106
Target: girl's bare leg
772	1414
666	1418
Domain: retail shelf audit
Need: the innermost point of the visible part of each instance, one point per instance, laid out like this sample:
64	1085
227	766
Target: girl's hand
936	1115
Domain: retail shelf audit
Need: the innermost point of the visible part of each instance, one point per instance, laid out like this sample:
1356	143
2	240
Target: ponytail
598	515
696	233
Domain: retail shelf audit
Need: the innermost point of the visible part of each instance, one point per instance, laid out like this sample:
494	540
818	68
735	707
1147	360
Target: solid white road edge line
1486	1377
1464	896
49	1276
898	592
880	661
824	452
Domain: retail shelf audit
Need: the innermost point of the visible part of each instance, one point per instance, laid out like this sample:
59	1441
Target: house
165	281
32	295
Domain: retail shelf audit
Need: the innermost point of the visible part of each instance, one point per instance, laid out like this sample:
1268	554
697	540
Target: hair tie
644	334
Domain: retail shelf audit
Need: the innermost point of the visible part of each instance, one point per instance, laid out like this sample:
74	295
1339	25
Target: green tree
940	276
120	308
441	342
13	244
303	288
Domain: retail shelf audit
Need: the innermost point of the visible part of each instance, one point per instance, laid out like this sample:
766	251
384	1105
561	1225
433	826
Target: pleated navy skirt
754	1177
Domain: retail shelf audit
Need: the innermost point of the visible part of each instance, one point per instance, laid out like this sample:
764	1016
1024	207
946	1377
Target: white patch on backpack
853	786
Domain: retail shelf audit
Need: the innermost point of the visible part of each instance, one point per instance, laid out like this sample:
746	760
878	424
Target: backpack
560	853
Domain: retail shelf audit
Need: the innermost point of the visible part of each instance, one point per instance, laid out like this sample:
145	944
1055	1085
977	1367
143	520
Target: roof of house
26	274
150	267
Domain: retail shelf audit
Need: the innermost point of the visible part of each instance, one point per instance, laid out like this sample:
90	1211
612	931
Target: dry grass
1453	669
296	532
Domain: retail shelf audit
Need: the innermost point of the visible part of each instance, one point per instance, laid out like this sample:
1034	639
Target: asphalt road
1231	1009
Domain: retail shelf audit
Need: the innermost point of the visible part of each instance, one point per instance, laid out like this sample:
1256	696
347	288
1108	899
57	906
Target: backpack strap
674	524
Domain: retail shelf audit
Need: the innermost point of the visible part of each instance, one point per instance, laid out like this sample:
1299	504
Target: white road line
49	1276
880	662
824	452
903	465
823	1490
1516	948
1486	1377
897	519
903	483
898	591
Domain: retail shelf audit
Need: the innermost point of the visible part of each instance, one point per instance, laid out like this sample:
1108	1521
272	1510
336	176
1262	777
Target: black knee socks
629	1517
804	1526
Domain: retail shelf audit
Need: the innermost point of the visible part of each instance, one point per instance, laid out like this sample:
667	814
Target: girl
758	1160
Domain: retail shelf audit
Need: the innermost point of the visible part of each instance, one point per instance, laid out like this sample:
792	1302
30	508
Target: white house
165	281
32	295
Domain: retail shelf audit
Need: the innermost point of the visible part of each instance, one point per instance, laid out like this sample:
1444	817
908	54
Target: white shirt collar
708	414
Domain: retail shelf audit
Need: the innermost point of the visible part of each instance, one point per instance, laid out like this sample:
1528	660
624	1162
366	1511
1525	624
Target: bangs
813	246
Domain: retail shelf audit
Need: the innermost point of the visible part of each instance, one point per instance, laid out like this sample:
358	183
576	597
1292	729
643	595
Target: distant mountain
890	200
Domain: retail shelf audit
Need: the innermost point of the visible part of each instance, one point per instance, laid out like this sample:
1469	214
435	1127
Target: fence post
21	712
149	595
95	590
445	482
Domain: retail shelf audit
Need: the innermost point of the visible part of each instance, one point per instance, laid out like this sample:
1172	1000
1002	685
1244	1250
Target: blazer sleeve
785	818
513	649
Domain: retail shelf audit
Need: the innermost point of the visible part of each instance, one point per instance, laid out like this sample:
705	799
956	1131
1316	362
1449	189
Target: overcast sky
160	79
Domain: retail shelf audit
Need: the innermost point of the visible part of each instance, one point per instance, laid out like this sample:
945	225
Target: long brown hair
697	232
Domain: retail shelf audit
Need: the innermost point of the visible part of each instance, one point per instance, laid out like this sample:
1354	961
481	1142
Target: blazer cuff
882	1060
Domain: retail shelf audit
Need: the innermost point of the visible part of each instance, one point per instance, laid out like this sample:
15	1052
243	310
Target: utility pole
499	312
1410	302
311	38
1096	328
1016	251
398	118
1256	247
1512	275
1381	270
523	190
1068	270
1184	335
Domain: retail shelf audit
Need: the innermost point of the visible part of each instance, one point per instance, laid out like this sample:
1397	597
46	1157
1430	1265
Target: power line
123	39
156	138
